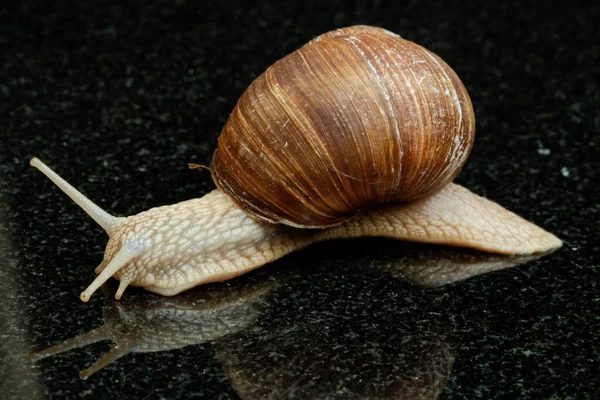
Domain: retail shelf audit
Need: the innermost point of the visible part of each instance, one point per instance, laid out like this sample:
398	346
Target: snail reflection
343	324
361	335
431	266
149	323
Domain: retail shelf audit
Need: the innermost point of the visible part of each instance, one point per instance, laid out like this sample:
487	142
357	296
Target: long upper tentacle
104	219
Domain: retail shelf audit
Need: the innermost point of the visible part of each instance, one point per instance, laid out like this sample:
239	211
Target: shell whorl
356	117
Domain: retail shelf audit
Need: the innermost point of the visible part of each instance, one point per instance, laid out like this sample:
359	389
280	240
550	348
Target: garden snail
356	118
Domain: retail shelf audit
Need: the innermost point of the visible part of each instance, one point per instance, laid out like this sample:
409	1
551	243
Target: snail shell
356	117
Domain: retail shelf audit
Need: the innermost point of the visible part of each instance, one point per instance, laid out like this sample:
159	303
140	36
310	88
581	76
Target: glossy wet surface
119	100
321	325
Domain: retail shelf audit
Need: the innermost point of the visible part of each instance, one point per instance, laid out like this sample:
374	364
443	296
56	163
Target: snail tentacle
104	219
128	251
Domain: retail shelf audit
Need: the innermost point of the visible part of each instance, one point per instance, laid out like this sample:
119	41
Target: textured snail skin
356	117
173	248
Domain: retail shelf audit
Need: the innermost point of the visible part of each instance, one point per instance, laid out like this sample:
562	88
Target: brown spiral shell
356	117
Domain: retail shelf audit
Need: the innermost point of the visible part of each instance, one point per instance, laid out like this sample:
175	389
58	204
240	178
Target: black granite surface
119	96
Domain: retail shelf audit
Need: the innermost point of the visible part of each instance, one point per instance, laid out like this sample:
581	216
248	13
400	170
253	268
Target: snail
357	133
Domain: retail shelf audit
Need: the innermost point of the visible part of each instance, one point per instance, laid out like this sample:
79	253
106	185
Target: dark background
119	96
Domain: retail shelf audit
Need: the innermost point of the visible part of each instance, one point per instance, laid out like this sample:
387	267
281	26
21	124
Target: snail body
359	132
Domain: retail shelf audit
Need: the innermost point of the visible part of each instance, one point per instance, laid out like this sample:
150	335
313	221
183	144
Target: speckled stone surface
119	97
